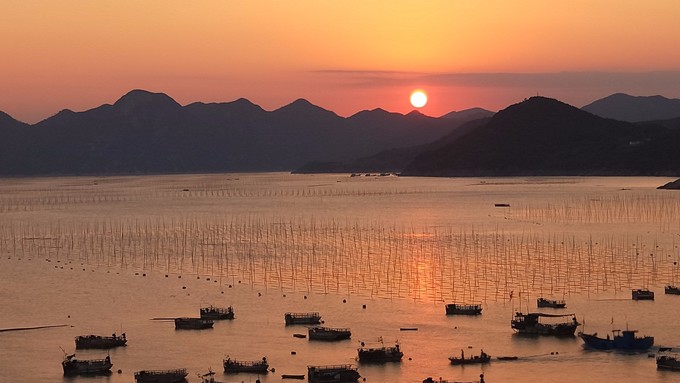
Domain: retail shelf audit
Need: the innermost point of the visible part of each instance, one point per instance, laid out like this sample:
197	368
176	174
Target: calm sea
372	253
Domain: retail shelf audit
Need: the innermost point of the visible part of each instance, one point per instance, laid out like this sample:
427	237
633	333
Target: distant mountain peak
469	113
624	107
302	105
138	98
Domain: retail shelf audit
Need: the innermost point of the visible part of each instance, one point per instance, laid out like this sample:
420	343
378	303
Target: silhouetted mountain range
624	107
542	136
146	132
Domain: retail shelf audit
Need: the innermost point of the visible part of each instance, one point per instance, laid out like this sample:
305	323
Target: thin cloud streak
659	81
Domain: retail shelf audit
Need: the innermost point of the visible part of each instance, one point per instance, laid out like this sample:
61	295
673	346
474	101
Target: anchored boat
101	342
329	333
161	376
217	313
672	290
620	340
642	294
537	324
342	373
473	359
550	303
257	366
302	318
193	323
380	354
667	359
74	366
457	309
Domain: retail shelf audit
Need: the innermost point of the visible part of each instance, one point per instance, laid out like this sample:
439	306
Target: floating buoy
363	307
166	275
120	371
184	287
144	275
305	297
344	301
293	353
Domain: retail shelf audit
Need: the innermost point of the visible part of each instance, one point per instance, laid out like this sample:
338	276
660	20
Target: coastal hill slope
145	132
542	136
623	107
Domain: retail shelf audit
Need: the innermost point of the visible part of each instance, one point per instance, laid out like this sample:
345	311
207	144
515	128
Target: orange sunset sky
345	56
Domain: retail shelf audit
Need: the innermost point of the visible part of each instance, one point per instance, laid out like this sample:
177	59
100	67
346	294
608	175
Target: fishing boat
550	303
302	318
217	313
440	380
329	333
341	373
257	366
667	359
161	376
672	290
380	354
620	340
193	323
642	294
101	342
208	377
457	309
74	366
531	324
473	359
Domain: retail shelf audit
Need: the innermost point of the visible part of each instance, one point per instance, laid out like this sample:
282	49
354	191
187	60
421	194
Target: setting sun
418	98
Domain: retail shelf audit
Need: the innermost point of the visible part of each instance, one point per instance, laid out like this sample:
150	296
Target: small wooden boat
531	324
342	373
292	376
329	333
671	290
100	342
458	309
302	318
550	303
507	357
208	377
642	294
74	366
193	323
217	313
474	359
300	335
620	340
440	380
380	354
667	359
257	366
161	376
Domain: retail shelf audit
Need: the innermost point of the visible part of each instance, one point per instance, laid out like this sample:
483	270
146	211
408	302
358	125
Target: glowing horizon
345	57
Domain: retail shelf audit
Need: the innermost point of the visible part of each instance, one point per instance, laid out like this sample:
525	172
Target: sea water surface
372	253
